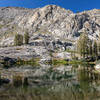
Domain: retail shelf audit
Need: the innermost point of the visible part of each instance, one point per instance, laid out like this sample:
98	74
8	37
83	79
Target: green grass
59	62
64	62
33	62
70	51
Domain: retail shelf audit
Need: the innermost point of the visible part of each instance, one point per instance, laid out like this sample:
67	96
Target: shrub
18	41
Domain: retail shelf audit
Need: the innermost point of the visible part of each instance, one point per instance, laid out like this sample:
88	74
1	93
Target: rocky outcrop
41	46
25	53
61	23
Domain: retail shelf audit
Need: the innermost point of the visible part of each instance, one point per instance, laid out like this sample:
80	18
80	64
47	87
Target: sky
74	5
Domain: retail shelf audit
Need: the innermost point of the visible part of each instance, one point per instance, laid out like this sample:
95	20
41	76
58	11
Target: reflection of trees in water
83	87
88	81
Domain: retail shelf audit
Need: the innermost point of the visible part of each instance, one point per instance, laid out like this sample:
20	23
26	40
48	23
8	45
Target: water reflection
82	84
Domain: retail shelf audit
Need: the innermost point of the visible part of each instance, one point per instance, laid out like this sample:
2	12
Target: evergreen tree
26	37
83	45
98	45
99	48
90	49
95	49
79	45
18	41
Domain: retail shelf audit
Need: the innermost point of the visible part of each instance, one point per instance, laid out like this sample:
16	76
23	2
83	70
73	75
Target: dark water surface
74	84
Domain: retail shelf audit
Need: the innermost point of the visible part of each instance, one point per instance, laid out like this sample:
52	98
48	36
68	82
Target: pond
66	82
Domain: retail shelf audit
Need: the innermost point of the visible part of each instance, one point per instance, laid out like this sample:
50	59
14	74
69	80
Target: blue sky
74	5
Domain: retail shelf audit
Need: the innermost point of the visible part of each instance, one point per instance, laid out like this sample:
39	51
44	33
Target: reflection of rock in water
74	85
47	74
11	75
41	73
15	74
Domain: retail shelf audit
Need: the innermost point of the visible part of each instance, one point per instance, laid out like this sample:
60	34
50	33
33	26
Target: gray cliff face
53	20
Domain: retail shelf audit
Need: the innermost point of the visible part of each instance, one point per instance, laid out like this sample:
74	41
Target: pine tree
90	49
99	48
98	45
26	37
83	45
79	45
95	49
18	41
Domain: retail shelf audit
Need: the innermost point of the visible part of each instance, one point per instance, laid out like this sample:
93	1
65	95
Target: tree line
87	47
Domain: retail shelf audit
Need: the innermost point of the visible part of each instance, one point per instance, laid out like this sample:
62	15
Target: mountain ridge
51	19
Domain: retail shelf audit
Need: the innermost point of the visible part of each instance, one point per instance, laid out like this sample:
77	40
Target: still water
76	83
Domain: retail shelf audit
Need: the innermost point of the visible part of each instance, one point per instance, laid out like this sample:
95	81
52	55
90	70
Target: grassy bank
65	62
33	62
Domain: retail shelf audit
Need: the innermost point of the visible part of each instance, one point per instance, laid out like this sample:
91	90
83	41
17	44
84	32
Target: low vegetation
57	62
33	62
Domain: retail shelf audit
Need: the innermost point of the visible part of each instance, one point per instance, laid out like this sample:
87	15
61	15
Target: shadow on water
77	83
